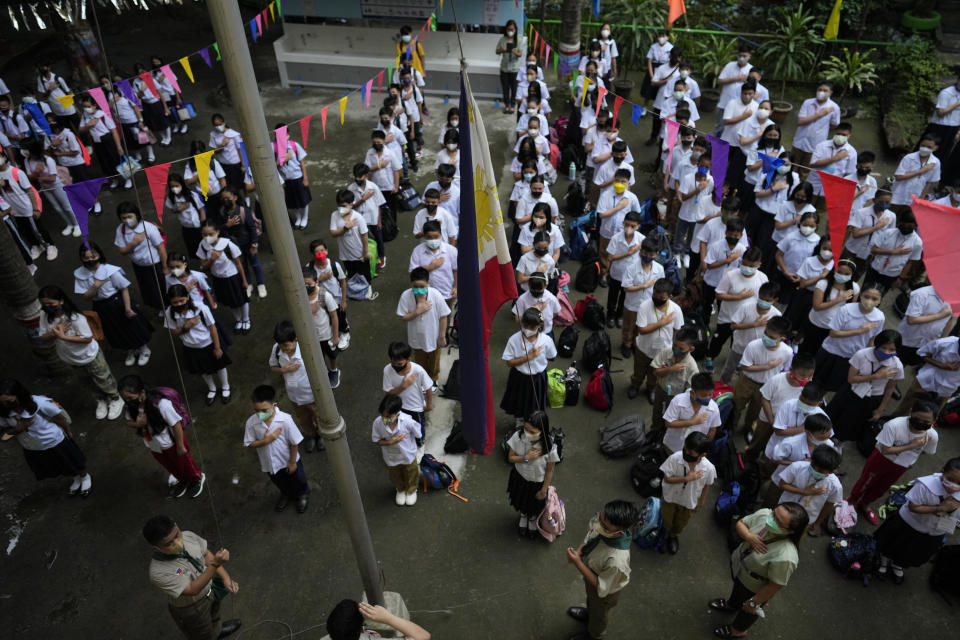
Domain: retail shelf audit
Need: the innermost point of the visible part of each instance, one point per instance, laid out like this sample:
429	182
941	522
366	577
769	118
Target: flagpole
238	68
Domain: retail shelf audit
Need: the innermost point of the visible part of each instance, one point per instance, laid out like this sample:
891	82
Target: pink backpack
177	401
566	317
553	519
844	516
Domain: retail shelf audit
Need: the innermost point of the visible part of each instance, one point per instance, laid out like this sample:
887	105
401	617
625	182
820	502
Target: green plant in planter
792	54
710	54
626	16
851	71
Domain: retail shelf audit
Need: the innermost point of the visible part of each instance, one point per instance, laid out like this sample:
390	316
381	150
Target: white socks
523	521
211	387
222	378
245	312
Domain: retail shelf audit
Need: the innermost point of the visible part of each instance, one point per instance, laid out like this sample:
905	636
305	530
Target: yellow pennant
343	107
586	84
65	101
185	63
271	6
203	170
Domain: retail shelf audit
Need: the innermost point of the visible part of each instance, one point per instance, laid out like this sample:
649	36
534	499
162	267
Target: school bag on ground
648	532
854	555
596	351
945	577
556	388
897	498
567	315
455	442
435	474
599	391
553	519
567	342
621	437
695	322
728	505
357	287
588	276
388	224
573	381
410	199
178	404
844	518
451	389
590	313
645	474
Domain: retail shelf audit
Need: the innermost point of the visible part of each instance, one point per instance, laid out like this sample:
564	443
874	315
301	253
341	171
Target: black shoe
302	502
210	398
521	532
633	392
578	613
281	504
176	491
196	488
310	444
603	282
320	445
531	533
673	545
625	351
611	323
228	627
225	396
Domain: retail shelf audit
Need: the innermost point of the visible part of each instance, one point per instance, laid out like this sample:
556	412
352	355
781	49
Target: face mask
763	304
311	288
539	222
702	171
840	140
178	308
822	96
531	79
951	487
806	231
763	114
695	155
176	190
685	143
703	401
540	252
690	458
211	240
177	547
385	124
862	172
419	291
732	240
906	229
399	367
746	271
816	475
50	309
659	302
742	60
454	124
805	409
826	254
768	342
594	54
881	206
618	159
511	33
783	169
924	151
678	95
882	355
533	133
221	128
406	38
593	86
530	332
800	382
91	264
431	208
918	425
452	147
678	352
344	211
646	259
131	223
320	256
535	194
771	143
90	110
684	74
264	415
842	278
868	304
378	146
531	437
178	271
619	188
527	177
433	243
662	40
772	526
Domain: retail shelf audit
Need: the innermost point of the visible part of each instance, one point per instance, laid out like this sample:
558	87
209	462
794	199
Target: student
42	428
658	320
691	412
945	119
894	251
42	170
411	383
661	76
714	229
241	225
939	377
911	537
530	81
532	121
927	318
216	180
526	354
673	369
863	225
332	277
814	485
324	309
737	288
534	456
439	258
203	349
385	166
694	191
621	254
850	330
829	295
721	255
432	211
152	416
227	145
737	113
769	199
613	205
412	99
395	432
680	161
220	258
123	325
817	431
510	48
637	283
426	314
65	148
606	171
350	230
538	297
540	220
732	77
393	135
450	154
790	420
797	244
369	203
816	117
52	86
276	439
836	156
179	272
106	139
143	242
917	172
762	359
774	393
594	52
189	208
296	189
532	133
866	183
346	620
538	260
748	324
658	54
449	192
812	270
285	359
24	210
687	476
603	559
130	117
537	194
675	104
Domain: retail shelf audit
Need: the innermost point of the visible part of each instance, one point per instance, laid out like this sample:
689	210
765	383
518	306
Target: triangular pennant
263	19
82	196
546	57
148	80
343	106
719	156
97	94
673	128
367	88
157	179
203	170
379	81
617	103
769	165
279	8
543	43
583	93
323	120
839	194
556	61
601	92
205	54
38	117
530	34
254	27
281	133
128	92
433	22
66	101
636	113
185	63
271	7
243	153
390	73
938	223
216	49
305	129
576	75
536	38
171	77
85	153
423	33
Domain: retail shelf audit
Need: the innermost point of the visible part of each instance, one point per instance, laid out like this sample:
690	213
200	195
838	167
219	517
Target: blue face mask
881	206
419	291
883	355
768	342
763	304
703	401
816	475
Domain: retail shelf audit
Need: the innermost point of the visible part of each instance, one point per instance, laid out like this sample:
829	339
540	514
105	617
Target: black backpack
573	382
455	442
622	437
854	555
451	389
695	322
567	343
388	224
945	577
593	316
596	351
588	275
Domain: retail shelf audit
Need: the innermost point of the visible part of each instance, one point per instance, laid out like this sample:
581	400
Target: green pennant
278	3
216	48
433	22
576	74
556	62
390	73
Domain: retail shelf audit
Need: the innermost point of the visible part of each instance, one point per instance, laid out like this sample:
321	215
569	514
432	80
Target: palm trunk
569	44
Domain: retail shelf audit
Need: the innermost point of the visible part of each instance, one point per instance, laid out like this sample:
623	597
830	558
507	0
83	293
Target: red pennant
148	79
536	38
601	92
323	120
939	224
423	31
542	44
304	130
379	81
263	14
157	179
839	194
617	102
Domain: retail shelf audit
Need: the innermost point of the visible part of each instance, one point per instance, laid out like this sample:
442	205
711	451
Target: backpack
451	388
599	391
648	532
645	474
898	497
727	505
900	304
590	313
176	400
854	555
588	276
409	197
567	342
572	381
689	299
435	474
695	322
556	388
96	326
596	351
946	569
257	222
388	224
725	405
582	227
567	315
553	519
620	438
867	439
455	442
357	287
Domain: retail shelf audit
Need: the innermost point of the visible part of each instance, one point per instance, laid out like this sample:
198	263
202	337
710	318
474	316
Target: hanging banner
171	77
601	92
617	103
205	54
718	169
128	92
323	121
281	148
839	194
185	63
253	27
157	179
768	166
673	129
97	94
367	88
343	107
939	224
636	113
203	170
379	81
148	80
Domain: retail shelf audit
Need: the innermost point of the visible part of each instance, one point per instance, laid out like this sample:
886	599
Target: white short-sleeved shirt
734	282
413	396
534	470
869	185
896	433
292	169
752	127
68	142
618	245
659	53
940	381
788	416
734	108
866	362
797	247
774	202
757	354
530	262
524	121
861	219
845	166
159	442
424	330
719	250
652	343
196	337
731	91
788	211
681	408
823	317
441	278
636	276
603	144
746	315
947	98
526	203
331	284
929	490
321	317
223	266
778	390
808	136
892	239
608	200
101	129
383	177
444	156
144	254
606	171
213	178
448	224
527	235
370	208
923	301
694	209
75	353
189	217
904	190
17	192
663	73
813	267
114	280
799	475
671	106
196	283
396	145
851	317
55	87
276	455
296	382
350	244
686	494
518	346
403	452
43	433
551	307
794	449
230	154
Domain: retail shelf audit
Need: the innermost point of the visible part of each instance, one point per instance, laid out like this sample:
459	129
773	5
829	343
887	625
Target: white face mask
90	110
221	128
178	271
826	254
783	169
532	111
406	38
805	231
511	33
924	151
433	243
130	222
29	100
742	60
530	332
344	210
839	140
763	114
678	95
684	74
212	240
532	438
452	146
176	190
454	124
605	33
822	96
533	133
663	40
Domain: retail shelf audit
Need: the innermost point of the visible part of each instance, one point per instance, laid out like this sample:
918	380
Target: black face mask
311	289
385	123
536	194
732	240
229	204
361	183
540	252
8	407
179	308
378	147
91	264
906	229
132	407
445	183
50	310
431	208
916	425
659	302
862	172
689	458
771	142
617	160
398	369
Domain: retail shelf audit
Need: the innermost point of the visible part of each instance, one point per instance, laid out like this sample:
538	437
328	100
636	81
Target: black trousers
508	83
720	337
615	296
292	485
738	596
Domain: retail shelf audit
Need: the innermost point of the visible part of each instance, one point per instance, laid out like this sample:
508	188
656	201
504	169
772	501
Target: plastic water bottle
670	390
572	172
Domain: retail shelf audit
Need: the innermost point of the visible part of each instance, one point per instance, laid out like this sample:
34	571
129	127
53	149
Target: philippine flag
485	277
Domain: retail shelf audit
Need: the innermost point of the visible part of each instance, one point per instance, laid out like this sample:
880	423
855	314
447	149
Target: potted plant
791	54
627	17
850	72
921	17
711	54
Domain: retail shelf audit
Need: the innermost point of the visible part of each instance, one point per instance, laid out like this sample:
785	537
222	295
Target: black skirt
230	291
831	370
296	194
130	136
191	237
524	394
234	175
647	90
107	155
65	459
850	413
201	360
813	337
523	494
799	307
119	330
150	279
153	117
904	545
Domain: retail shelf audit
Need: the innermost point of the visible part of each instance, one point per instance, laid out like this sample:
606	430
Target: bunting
769	165
216	49
281	134
82	196
171	78
253	27
323	121
636	113
601	92
673	129
367	89
205	54
305	128
938	223
128	92
379	81
839	194
157	180
148	80
343	106
203	170
97	94
718	168
617	103
185	63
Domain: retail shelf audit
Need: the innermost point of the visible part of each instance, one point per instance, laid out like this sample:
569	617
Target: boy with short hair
687	476
917	172
690	412
621	254
411	382
437	257
866	183
762	359
350	230
748	324
774	393
385	166
864	223
326	320
433	211
449	192
813	484
817	430
737	288
658	321
673	368
894	251
615	202
790	419
637	283
286	360
426	313
694	192
722	255
814	120
836	156
333	277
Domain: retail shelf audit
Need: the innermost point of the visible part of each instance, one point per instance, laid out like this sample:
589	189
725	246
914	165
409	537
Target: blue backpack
728	504
648	533
581	229
435	474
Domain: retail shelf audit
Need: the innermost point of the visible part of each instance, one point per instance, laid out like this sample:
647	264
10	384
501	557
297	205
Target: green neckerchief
219	589
620	542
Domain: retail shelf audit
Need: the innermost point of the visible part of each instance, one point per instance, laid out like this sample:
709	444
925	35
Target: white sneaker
128	184
75	485
686	261
52	252
32	268
114	408
172	480
101	409
249	290
144	357
67	230
184	128
77	232
96	207
262	290
371	294
401	498
411	499
131	358
151	158
344	343
35	252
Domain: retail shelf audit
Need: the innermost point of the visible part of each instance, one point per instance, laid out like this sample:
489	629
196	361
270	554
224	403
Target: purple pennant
205	54
128	92
718	169
636	113
82	196
770	164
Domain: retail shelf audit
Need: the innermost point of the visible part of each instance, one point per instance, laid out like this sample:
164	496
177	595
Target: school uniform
526	389
886	268
827	149
834	354
612	225
332	284
923	301
945	127
904	190
350	245
669	385
680	500
619	244
53	86
530	263
46	448
147	266
692	210
799	475
733	282
197	341
809	135
275	456
796	249
423	331
788	416
858	249
448	225
321	322
550	308
777	391
681	408
227	282
14	127
17	193
84	356
866	190
637	274
230	157
190	218
441	278
609	559
523	90
648	345
453	203
941	382
663	73
527	202
742	337
524	122
605	172
414	396
383	177
731	132
851	408
795	448
603	66
129	122
53	192
658	55
400	458
370	209
163	447
527	235
399	140
746	390
526	478
104	146
66	141
882	470
911	539
671	106
196	616
296	194
120	331
717	250
817	324
731	90
760	223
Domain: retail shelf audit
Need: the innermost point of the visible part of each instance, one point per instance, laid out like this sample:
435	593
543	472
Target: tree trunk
569	44
18	292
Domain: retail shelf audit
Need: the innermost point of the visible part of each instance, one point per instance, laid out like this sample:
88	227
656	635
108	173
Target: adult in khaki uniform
192	578
603	558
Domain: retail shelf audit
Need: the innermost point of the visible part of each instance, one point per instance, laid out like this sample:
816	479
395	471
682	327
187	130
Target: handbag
128	166
143	137
186	111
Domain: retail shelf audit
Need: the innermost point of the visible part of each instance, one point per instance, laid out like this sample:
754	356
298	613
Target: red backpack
599	390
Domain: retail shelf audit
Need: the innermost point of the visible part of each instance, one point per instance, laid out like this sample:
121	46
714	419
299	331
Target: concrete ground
76	569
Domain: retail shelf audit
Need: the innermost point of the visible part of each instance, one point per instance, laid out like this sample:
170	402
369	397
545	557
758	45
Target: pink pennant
259	20
601	92
281	133
97	94
171	78
366	94
148	80
379	81
323	120
546	57
157	179
673	128
305	129
617	102
423	31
